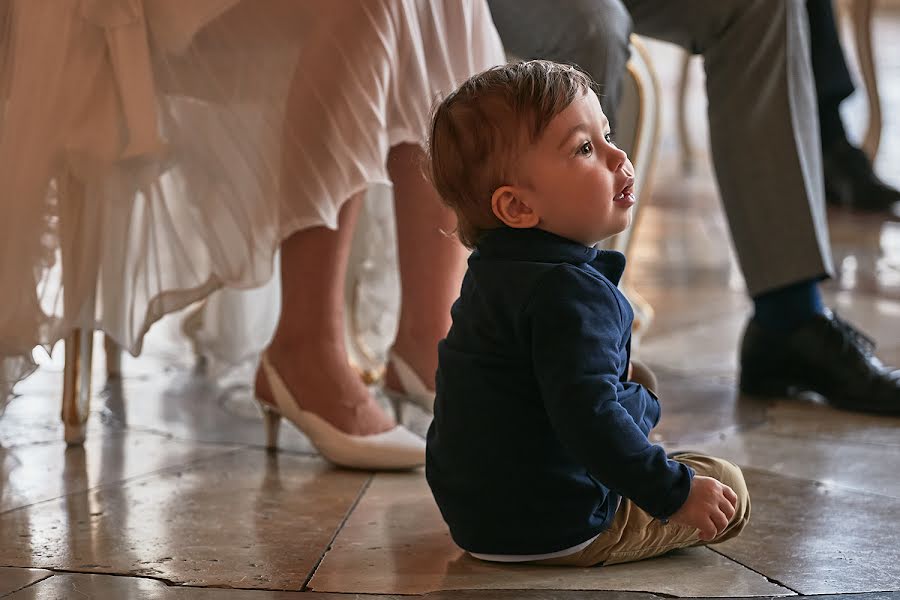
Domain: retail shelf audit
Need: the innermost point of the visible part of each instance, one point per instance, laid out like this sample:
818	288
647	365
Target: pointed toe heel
395	449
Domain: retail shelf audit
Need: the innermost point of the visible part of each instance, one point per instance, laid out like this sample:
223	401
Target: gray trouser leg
762	108
764	130
592	34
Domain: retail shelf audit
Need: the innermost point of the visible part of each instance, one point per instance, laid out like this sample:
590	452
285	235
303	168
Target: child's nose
617	158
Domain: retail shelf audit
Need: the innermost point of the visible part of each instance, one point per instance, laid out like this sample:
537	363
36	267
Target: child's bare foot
323	382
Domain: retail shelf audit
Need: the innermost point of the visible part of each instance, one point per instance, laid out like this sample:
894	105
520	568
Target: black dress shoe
850	181
827	356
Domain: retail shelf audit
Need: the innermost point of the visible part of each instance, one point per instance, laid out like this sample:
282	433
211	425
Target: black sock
789	307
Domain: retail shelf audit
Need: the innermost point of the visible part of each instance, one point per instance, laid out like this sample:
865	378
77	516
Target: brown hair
478	129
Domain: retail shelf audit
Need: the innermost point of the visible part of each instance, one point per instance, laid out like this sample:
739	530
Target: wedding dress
143	143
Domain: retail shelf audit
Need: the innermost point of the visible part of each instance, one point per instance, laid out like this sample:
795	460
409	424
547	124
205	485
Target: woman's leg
432	263
308	349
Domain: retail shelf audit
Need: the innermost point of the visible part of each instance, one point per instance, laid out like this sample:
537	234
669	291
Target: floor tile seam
636	593
832	440
62	571
167	582
832	484
760	573
895	593
618	592
25	587
119	482
312	572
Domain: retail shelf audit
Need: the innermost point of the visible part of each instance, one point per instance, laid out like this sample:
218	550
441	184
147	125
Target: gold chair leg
80	264
77	385
113	354
688	152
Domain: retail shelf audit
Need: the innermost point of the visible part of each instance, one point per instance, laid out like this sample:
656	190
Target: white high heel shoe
395	449
414	389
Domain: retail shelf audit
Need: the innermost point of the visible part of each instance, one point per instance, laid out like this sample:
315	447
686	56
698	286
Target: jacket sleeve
576	325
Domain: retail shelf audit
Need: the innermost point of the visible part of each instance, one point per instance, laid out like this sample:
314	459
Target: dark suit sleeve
576	326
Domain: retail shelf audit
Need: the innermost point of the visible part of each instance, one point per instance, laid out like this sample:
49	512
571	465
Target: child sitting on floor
538	451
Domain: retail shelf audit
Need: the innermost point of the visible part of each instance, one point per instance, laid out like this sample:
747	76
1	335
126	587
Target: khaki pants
635	535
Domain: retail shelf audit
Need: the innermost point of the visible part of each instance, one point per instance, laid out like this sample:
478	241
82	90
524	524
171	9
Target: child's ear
509	208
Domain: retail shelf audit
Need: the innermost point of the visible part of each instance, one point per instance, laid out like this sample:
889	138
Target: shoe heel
395	449
414	389
272	425
396	401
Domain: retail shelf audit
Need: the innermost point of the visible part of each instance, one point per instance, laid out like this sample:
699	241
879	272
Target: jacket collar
537	245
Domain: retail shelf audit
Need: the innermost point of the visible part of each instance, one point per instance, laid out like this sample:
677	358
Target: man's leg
763	127
766	150
850	178
833	81
592	34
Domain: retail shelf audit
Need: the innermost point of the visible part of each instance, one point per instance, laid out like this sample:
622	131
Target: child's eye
586	149
609	138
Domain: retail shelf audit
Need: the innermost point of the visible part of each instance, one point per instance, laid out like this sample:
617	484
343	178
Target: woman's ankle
326	386
306	348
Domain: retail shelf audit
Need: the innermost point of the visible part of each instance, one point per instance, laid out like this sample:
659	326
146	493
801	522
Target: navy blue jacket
536	433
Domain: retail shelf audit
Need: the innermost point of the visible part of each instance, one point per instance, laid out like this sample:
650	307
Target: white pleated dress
153	151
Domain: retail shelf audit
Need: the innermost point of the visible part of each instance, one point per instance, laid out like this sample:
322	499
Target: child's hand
709	507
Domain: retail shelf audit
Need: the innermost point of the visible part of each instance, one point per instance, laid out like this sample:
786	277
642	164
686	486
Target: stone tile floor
174	497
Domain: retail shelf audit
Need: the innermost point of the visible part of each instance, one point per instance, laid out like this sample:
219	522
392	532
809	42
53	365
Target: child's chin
616	231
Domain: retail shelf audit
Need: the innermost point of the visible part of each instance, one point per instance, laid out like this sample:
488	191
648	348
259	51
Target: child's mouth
626	196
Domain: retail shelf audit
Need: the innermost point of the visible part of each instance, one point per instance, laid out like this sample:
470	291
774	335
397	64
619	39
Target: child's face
577	182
